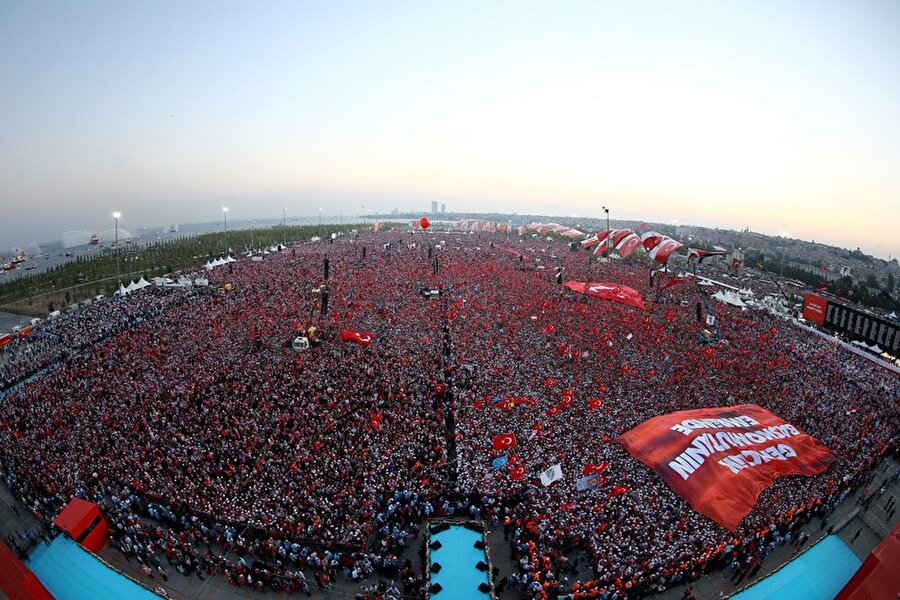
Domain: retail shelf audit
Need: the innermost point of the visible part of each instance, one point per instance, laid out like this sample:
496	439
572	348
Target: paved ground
861	526
9	320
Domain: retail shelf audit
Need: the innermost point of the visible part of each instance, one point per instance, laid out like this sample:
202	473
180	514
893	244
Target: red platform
16	581
83	521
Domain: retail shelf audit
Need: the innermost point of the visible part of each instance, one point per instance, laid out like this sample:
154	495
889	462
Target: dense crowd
59	338
216	447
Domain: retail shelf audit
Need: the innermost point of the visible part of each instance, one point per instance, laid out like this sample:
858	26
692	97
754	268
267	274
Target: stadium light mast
606	210
225	225
116	216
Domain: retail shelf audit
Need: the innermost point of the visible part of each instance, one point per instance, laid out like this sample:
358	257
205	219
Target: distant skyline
781	117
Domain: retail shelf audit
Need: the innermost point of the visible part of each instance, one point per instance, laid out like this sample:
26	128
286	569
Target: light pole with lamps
606	210
116	216
225	223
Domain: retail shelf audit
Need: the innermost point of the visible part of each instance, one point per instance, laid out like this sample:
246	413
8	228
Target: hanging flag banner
721	459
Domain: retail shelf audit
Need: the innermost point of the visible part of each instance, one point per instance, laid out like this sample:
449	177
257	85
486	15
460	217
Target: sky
778	116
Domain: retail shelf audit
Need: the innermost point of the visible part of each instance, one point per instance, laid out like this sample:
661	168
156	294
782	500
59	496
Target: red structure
16	581
83	521
879	576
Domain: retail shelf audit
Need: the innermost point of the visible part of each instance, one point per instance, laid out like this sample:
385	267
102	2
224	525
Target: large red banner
814	309
608	291
721	459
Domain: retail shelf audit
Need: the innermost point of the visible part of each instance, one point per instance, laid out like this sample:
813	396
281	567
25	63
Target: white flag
552	474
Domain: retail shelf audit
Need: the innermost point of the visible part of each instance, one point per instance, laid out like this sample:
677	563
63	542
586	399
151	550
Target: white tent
729	297
210	265
141	284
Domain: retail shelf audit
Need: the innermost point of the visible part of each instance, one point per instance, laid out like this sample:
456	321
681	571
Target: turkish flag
363	338
504	441
628	244
618	491
675	281
517	473
608	291
665	248
595	403
591	469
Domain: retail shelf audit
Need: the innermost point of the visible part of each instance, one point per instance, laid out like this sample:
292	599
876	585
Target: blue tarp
68	571
821	572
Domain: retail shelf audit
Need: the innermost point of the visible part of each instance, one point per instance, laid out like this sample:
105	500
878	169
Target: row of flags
626	241
591	474
545	228
489	227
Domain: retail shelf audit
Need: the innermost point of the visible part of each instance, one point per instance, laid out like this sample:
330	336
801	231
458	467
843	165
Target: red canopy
879	575
16	581
82	520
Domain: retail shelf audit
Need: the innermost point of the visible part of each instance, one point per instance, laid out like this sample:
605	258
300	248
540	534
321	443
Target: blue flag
499	462
591	482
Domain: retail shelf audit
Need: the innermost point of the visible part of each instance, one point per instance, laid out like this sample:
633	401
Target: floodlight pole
116	216
606	210
225	225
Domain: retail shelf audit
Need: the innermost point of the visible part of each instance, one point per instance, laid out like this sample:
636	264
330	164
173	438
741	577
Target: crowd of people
213	445
57	339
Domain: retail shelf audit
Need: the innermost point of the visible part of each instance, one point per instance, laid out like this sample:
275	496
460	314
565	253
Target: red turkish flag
618	491
595	403
608	291
362	338
721	459
504	441
628	244
675	281
591	469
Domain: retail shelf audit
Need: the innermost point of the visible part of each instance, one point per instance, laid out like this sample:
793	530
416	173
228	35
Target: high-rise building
434	207
443	208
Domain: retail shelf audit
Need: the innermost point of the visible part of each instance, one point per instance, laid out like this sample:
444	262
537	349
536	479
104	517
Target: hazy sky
780	116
